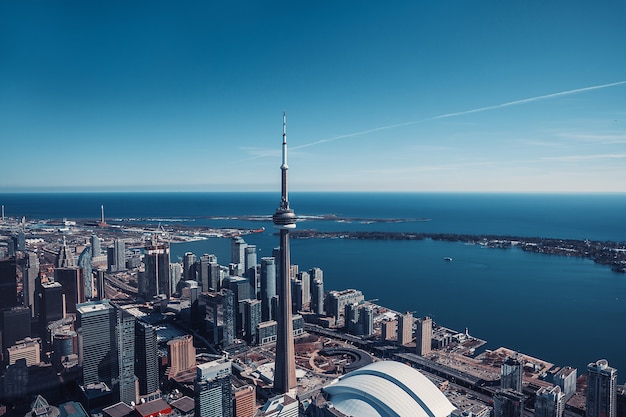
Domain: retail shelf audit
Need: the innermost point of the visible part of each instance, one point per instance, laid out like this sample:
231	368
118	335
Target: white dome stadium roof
389	389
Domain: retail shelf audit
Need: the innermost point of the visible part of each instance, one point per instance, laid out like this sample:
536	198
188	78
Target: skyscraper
125	334
213	390
116	256
424	335
284	219
30	274
96	327
405	328
8	282
549	402
146	359
511	374
73	283
65	258
181	354
96	248
601	389
250	271
51	306
189	265
14	326
268	287
508	403
238	254
157	274
84	262
204	271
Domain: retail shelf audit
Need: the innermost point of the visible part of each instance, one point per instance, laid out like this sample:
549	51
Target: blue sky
400	96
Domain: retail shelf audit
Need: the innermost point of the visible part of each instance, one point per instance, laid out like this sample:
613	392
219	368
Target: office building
146	358
84	262
213	389
405	328
203	273
424	335
51	303
157	273
601	390
284	219
27	349
181	354
244	402
30	274
189	266
511	373
280	406
216	275
268	287
99	284
296	294
65	257
116	256
125	345
96	247
97	354
549	402
8	282
14	326
73	282
508	403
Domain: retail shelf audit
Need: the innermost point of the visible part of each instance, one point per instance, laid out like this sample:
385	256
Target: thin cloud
590	137
577	158
465	112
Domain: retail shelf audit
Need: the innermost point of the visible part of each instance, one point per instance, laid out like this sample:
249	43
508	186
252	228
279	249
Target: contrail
461	113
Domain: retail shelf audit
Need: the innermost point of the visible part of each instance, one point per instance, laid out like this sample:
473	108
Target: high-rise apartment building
601	390
250	270
229	320
213	389
8	282
405	328
251	319
511	373
508	403
388	330
146	358
424	336
566	379
238	254
549	402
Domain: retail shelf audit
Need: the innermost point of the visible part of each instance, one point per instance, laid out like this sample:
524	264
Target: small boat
447	259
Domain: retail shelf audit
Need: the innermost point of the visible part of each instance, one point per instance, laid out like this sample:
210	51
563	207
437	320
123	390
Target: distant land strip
608	253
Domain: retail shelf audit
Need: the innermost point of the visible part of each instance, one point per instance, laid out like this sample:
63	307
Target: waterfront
559	309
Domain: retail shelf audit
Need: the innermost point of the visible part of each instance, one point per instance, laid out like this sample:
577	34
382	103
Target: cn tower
284	219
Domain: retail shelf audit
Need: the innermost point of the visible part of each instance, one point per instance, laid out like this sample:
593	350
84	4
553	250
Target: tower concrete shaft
284	219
